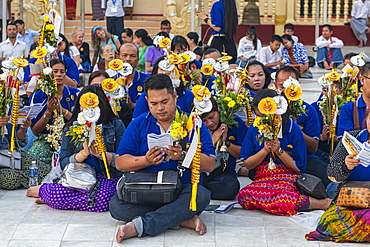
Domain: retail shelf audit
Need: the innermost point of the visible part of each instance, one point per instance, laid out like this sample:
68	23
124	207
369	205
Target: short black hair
33	46
97	73
158	82
19	21
164	34
194	36
57	61
211	50
275	38
287	69
328	26
349	55
288	37
128	32
165	23
178	40
289	26
10	24
366	69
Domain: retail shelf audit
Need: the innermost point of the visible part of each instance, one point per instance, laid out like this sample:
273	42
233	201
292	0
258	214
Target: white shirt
322	42
7	49
266	56
361	10
247	49
113	10
73	51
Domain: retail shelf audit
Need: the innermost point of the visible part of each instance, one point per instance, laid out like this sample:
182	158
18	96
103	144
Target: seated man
329	53
133	155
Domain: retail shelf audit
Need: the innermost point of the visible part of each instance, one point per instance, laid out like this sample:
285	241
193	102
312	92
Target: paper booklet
160	141
360	150
223	209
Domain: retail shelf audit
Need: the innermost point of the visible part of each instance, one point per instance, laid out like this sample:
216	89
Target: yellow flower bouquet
294	93
180	127
231	104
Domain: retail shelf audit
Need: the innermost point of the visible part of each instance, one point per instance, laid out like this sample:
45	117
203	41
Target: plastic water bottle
34	173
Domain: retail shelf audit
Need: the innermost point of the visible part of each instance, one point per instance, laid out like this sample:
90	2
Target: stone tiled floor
24	223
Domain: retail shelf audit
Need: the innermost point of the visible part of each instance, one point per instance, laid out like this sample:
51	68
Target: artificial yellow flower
121	81
20	62
183	133
164	43
174	58
89	100
257	122
333	76
267	106
207	69
109	85
190	123
231	104
174	133
46	18
354	87
293	92
185	58
176	125
39	52
49	27
225	57
227	98
349	70
115	64
354	73
200	92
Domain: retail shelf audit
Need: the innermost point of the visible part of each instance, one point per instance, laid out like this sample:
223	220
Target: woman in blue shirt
222	181
275	190
345	224
223	21
59	197
99	38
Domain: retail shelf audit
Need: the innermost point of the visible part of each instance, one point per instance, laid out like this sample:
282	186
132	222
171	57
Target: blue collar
361	103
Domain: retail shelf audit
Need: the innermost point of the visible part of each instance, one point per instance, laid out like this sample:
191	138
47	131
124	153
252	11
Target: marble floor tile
85	244
89	232
40	231
33	243
252	235
185	235
93	218
7	231
43	214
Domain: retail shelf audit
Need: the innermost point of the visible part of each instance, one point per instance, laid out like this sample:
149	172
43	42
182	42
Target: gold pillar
280	16
290	12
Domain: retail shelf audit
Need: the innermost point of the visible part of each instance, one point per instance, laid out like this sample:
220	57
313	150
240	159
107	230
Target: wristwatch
182	156
280	151
227	143
206	20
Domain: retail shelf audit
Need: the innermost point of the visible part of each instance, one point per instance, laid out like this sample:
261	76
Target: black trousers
223	185
115	25
222	45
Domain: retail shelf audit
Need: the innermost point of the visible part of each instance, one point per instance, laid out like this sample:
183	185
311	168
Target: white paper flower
192	55
282	105
203	106
119	93
210	61
220	66
290	81
358	60
3	77
80	118
51	49
157	39
323	81
8	64
165	65
47	71
176	82
126	70
91	114
273	76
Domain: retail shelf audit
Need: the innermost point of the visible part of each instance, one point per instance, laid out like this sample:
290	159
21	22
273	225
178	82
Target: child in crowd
153	53
248	48
270	55
142	38
127	36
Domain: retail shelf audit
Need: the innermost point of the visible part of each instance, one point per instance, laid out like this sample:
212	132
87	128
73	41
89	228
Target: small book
223	209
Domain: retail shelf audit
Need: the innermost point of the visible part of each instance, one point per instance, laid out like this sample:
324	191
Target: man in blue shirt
353	119
129	53
25	35
310	126
133	154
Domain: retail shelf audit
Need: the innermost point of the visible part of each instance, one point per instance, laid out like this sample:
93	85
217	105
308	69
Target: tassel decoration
14	120
101	149
195	175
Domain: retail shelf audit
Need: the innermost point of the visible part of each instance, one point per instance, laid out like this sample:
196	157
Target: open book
360	150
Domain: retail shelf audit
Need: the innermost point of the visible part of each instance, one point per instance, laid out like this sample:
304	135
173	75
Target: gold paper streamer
101	149
195	175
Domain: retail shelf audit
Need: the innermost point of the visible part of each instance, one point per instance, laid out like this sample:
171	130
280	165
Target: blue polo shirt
71	69
217	17
136	136
67	101
361	173
137	86
292	143
345	121
316	106
309	124
210	80
236	136
184	102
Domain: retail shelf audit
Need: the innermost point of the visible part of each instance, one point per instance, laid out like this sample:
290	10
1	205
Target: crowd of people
159	88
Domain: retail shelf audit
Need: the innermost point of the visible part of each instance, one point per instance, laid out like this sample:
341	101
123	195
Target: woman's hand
86	150
275	145
174	152
26	123
303	67
53	104
201	14
325	133
351	161
4	120
220	132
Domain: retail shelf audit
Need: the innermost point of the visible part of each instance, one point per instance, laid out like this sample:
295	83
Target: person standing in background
360	14
71	9
223	21
114	12
24	35
97	11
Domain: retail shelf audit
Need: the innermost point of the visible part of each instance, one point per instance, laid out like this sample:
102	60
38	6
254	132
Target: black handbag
311	185
149	188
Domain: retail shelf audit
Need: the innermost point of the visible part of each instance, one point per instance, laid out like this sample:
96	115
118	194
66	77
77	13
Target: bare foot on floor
195	223
39	201
33	191
126	231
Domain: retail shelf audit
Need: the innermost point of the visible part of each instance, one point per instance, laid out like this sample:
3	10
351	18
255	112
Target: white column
192	16
5	18
62	14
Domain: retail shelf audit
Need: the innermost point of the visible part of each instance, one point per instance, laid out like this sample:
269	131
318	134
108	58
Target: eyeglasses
366	77
108	51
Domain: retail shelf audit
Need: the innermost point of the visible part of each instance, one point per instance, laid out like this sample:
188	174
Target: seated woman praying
278	161
59	197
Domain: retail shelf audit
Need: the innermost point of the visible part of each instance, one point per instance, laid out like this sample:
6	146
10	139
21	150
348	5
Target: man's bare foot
39	201
33	191
195	223
126	231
